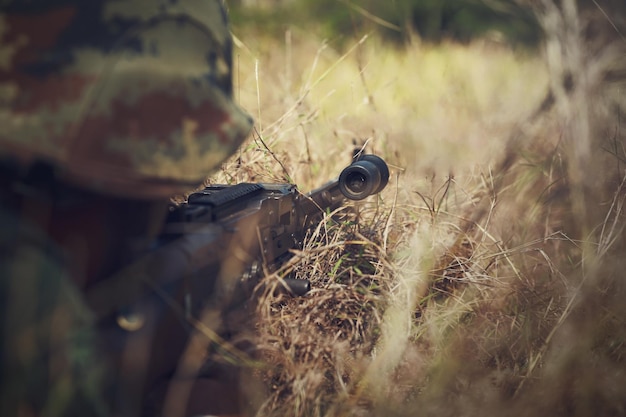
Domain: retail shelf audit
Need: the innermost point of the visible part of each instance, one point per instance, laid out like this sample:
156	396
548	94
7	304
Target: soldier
107	109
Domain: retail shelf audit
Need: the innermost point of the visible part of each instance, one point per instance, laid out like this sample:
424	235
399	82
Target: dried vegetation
487	279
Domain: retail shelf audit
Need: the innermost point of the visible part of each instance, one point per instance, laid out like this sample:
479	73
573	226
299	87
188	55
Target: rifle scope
366	176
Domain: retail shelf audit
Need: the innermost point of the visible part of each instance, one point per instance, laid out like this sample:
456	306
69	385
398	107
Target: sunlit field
487	278
434	109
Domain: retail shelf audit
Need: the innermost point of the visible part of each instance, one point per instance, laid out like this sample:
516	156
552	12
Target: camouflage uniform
48	364
131	99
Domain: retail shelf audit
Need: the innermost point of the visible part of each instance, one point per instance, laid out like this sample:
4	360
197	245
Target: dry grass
487	279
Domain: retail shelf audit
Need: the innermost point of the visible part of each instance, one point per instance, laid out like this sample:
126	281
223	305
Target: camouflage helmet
132	98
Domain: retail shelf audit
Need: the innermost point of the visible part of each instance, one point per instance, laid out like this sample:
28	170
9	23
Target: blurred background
397	21
487	278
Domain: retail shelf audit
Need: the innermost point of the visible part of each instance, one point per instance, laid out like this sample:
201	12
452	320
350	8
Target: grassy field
487	278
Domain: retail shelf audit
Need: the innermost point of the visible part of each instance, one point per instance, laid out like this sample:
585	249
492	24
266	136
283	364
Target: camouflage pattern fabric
132	98
48	367
127	98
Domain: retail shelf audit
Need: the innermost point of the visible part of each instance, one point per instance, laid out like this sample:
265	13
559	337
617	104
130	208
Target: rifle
213	250
259	225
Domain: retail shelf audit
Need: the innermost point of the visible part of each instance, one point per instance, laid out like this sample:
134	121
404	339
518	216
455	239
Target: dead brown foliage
495	291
